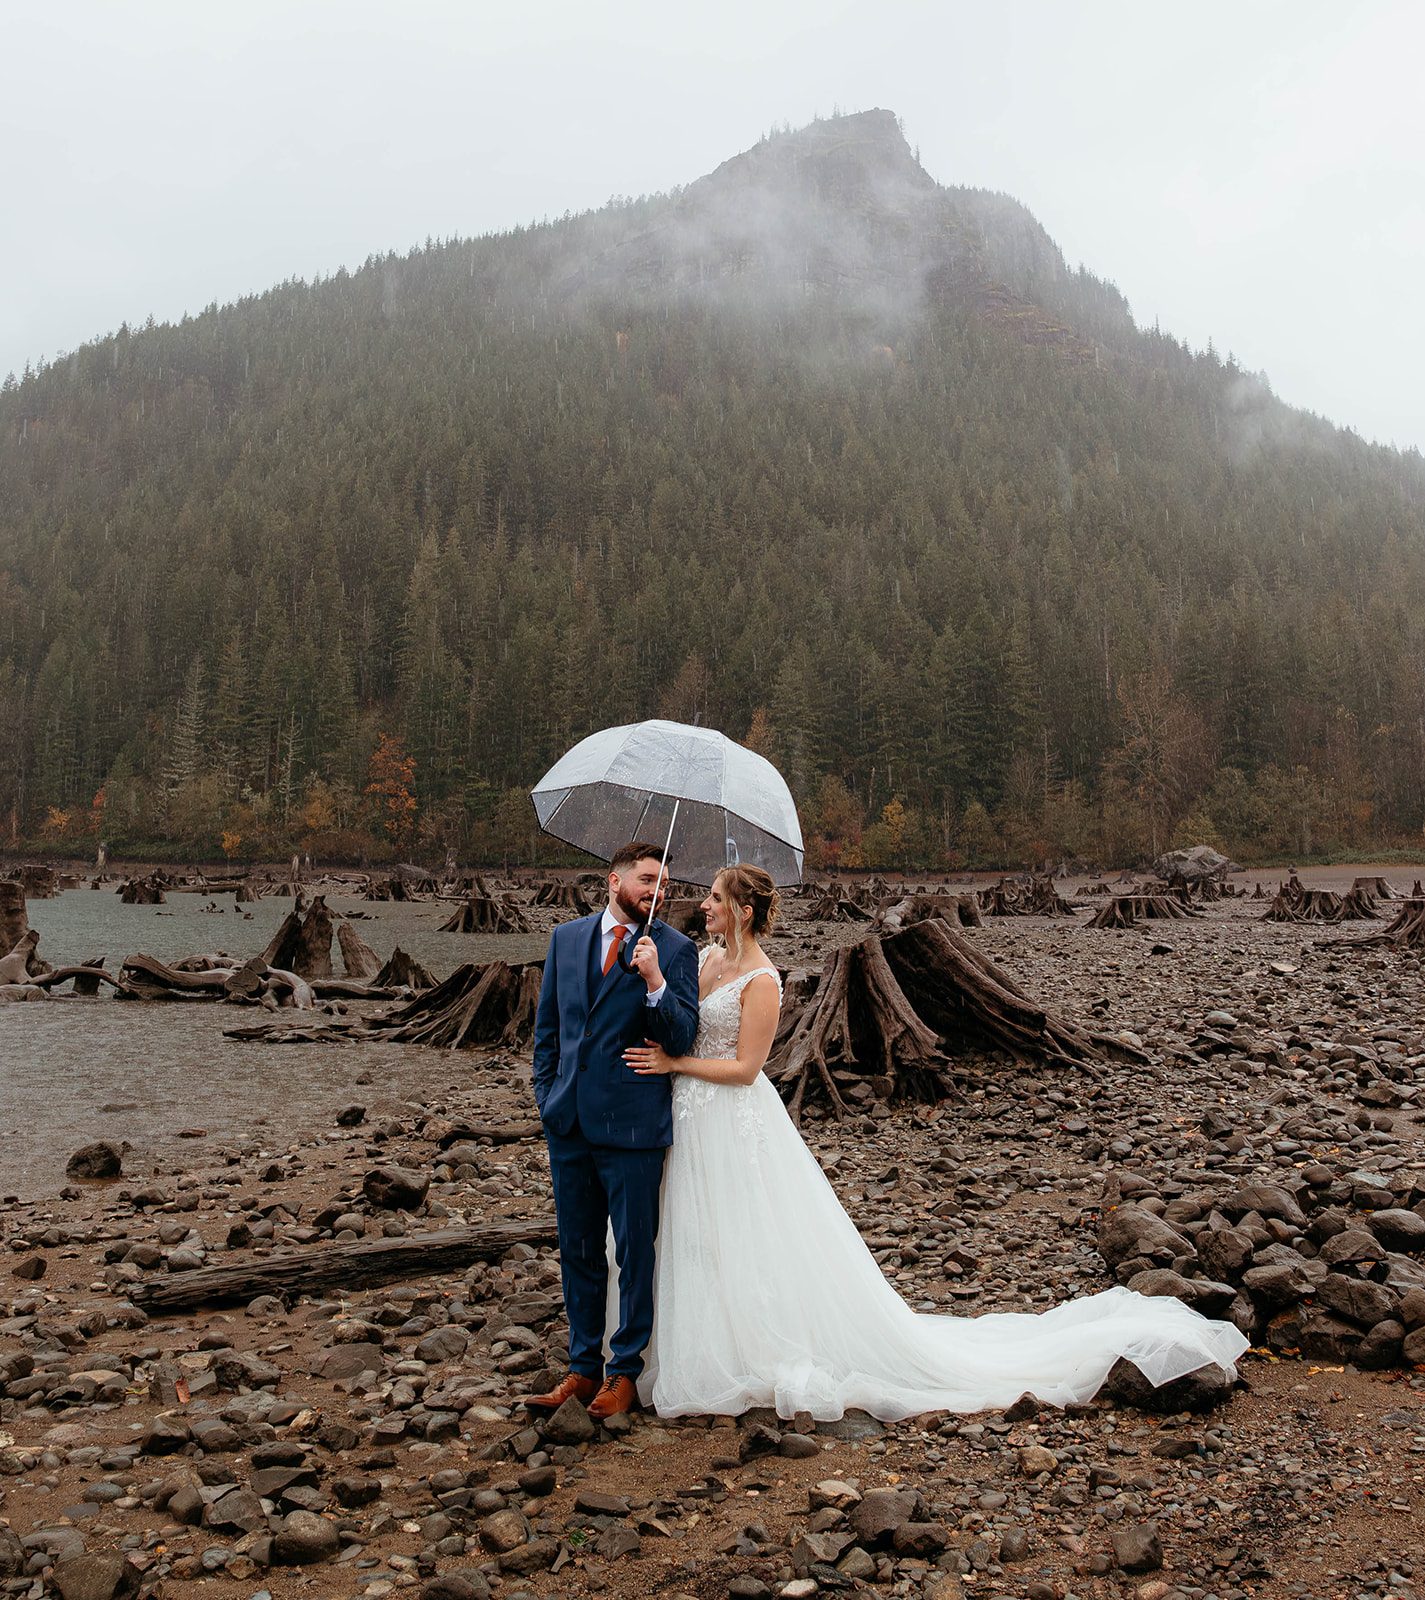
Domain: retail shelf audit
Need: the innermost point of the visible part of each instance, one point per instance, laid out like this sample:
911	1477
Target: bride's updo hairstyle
744	887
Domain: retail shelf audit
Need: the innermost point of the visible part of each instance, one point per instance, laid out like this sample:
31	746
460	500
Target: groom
607	1127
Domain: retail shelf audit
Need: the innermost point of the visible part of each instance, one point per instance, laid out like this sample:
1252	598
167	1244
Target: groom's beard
632	909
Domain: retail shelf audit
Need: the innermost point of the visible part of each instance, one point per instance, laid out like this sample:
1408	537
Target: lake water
168	1066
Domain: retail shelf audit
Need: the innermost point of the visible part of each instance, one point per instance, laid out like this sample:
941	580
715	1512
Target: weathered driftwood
341	1266
87	977
485	914
403	972
894	1012
1127	910
21	964
303	944
564	897
487	1003
961	909
360	960
462	1132
145	978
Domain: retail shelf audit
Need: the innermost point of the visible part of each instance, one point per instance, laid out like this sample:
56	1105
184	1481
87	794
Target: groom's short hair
628	854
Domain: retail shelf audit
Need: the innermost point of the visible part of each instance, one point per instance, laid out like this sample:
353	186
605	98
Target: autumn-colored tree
761	736
96	812
389	779
232	843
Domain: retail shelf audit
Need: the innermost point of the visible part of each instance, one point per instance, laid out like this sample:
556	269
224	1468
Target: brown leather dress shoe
617	1394
574	1387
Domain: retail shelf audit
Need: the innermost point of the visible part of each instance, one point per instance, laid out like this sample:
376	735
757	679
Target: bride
766	1295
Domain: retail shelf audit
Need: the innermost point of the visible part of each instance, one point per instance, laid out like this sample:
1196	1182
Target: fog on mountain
817	450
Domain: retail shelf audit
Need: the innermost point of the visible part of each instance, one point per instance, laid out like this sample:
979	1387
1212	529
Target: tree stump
403	972
143	892
1293	903
1127	910
893	1012
835	907
489	1003
1407	930
1042	899
486	915
304	945
1376	888
687	916
360	960
563	897
1000	899
14	920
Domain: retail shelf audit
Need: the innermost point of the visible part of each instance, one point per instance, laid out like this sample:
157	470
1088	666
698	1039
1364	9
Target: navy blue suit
607	1127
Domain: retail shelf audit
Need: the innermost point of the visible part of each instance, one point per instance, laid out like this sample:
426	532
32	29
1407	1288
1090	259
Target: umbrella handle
642	931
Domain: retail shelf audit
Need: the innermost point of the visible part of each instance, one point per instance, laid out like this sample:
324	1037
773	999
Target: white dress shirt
606	939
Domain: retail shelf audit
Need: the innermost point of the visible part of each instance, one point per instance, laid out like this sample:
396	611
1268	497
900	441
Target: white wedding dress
766	1294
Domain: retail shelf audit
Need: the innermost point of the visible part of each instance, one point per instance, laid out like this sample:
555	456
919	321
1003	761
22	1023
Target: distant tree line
982	601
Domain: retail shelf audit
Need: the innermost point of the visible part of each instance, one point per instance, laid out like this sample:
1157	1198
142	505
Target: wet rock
1412	1308
355	1491
922	1539
1130	1232
1138	1548
1014	1544
186	1505
503	1531
395	1188
1355	1244
240	1508
1209	1386
596	1504
1357	1298
1267	1200
467	1584
100	1575
619	1540
1382	1346
351	1116
164	1436
1226	1253
570	1424
97	1160
758	1440
880	1513
304	1539
813	1547
1034	1459
1278	1285
12	1553
1413	1349
1329	1338
798	1447
30	1269
1399	1230
442	1344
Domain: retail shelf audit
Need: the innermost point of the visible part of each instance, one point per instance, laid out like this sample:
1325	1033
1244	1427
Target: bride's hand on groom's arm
649	1058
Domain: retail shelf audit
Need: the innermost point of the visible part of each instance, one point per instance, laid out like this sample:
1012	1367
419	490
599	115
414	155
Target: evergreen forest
815	450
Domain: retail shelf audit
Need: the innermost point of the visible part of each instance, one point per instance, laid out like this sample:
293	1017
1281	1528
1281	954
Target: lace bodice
719	1023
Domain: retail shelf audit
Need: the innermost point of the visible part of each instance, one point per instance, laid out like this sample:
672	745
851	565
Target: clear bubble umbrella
715	803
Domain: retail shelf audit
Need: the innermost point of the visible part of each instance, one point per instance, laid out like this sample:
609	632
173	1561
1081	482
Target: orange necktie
612	956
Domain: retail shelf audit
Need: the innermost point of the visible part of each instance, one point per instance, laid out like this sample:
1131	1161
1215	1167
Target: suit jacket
586	1020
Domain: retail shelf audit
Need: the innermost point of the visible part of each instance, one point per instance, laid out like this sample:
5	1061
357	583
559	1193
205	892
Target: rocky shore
365	1437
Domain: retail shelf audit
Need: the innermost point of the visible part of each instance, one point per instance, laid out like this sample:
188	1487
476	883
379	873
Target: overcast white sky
1249	173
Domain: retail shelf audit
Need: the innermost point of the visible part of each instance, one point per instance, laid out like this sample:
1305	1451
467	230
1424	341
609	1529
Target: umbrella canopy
627	783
